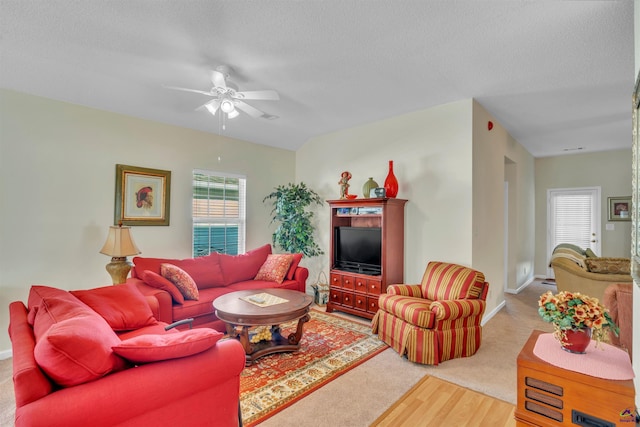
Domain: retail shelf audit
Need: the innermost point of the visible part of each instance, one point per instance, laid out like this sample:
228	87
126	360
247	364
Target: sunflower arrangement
574	311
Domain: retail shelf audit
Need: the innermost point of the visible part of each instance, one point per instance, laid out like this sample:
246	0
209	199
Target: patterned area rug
330	346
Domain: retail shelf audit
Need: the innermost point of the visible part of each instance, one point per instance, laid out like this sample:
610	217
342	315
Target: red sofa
100	358
214	275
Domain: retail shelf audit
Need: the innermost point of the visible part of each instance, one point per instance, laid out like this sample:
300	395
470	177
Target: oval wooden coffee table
242	310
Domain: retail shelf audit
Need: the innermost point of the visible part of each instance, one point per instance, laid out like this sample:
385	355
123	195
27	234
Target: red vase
576	341
391	183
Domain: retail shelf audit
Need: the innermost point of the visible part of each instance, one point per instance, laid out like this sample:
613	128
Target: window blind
218	212
572	213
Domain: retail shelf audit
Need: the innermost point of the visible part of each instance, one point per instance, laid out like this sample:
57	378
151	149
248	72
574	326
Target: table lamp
119	246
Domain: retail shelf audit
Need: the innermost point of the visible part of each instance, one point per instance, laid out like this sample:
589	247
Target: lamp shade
119	242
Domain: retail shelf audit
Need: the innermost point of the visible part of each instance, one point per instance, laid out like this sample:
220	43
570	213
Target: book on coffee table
264	299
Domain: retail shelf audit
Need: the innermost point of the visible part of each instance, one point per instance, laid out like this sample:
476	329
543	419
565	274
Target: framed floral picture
142	196
619	208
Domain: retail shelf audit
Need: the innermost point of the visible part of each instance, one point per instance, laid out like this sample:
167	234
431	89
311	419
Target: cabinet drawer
348	282
335	296
335	280
348	299
360	302
360	285
372	304
373	287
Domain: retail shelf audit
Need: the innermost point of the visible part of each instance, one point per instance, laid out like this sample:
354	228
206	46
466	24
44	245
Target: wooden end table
240	315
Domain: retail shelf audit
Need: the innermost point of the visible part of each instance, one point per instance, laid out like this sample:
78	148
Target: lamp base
119	269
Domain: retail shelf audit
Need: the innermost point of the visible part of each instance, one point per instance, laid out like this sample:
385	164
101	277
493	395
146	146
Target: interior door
573	216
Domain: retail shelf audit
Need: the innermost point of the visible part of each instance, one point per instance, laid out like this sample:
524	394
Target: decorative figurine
344	184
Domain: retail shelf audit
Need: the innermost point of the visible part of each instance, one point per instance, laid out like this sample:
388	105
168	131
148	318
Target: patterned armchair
437	320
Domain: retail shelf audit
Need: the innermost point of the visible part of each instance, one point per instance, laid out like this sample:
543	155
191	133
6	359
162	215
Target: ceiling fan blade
252	111
217	78
184	89
212	106
267	95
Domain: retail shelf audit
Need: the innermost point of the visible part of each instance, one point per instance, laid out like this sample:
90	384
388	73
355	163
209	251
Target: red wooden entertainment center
357	291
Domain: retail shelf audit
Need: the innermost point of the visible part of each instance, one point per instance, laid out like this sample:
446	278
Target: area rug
330	346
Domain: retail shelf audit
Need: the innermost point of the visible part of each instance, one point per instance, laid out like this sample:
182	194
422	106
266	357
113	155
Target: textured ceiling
557	74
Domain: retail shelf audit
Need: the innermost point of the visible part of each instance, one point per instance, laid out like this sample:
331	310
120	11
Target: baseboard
522	287
488	316
5	354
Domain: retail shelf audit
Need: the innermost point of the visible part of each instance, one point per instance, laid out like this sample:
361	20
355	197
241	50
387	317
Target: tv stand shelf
358	293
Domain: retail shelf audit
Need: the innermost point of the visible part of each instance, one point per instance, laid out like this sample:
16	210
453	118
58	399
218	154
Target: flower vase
391	183
576	341
368	186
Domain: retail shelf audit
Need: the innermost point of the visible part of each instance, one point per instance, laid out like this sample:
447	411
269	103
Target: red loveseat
214	275
100	358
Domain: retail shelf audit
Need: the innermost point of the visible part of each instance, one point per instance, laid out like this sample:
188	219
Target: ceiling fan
228	99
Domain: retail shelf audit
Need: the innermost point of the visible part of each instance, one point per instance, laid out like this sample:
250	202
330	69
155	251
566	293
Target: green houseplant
295	231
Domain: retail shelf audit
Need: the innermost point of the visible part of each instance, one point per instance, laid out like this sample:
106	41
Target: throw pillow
589	253
122	306
78	350
181	279
608	265
275	268
152	348
294	264
155	280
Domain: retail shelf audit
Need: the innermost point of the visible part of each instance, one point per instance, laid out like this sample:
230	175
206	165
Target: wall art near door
142	196
619	208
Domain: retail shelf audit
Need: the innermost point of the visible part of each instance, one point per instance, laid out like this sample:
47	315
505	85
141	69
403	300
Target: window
219	214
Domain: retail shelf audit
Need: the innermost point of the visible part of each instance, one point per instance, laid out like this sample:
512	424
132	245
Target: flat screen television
358	250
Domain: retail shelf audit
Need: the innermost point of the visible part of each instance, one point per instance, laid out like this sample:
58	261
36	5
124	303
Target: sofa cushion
155	280
205	270
263	284
73	343
415	311
152	348
609	265
183	281
122	306
202	307
444	281
236	268
275	268
294	264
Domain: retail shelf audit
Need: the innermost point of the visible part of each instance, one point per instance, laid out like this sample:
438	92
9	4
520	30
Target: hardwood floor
434	402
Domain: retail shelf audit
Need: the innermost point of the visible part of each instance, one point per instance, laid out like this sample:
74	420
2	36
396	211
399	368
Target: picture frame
142	196
619	208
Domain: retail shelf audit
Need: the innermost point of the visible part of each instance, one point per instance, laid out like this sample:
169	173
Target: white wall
610	170
57	182
449	217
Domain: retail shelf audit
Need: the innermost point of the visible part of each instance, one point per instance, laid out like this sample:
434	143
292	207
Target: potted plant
576	316
295	231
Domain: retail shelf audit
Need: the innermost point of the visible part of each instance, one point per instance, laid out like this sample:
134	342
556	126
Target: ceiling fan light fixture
211	109
226	105
233	114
